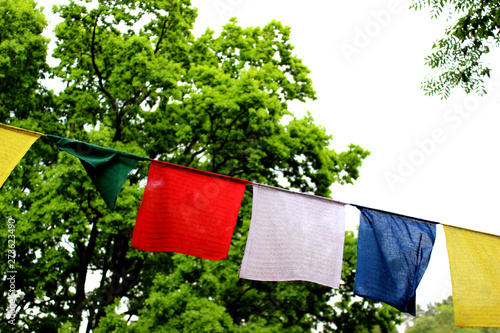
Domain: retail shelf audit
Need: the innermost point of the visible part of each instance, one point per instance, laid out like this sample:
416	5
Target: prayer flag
393	254
107	168
188	211
294	236
14	143
475	275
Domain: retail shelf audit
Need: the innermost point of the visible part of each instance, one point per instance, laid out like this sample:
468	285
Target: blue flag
393	254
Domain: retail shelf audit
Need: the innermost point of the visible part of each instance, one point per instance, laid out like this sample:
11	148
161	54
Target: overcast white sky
367	61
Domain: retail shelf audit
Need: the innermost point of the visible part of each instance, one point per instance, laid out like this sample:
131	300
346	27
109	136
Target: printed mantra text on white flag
294	237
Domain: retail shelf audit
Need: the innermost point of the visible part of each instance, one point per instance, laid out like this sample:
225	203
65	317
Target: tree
26	103
214	103
23	50
458	58
252	306
440	317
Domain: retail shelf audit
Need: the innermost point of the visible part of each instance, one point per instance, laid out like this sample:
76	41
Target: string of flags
292	235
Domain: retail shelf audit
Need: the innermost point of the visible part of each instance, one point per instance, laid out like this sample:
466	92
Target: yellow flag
14	143
475	275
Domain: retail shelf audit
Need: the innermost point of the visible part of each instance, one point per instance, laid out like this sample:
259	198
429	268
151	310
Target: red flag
188	211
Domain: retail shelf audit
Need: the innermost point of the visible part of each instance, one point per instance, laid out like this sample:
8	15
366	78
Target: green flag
107	168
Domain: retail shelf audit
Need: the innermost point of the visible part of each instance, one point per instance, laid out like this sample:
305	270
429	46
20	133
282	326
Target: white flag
294	236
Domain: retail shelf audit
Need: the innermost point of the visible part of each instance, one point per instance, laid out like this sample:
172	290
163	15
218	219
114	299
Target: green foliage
212	293
457	59
138	81
22	57
440	318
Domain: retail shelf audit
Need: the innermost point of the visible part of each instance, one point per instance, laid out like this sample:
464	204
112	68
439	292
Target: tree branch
224	142
86	255
96	68
163	29
108	95
193	155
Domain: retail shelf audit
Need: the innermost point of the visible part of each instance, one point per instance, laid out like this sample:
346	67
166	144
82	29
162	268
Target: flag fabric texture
14	143
188	211
475	275
294	236
107	168
393	254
